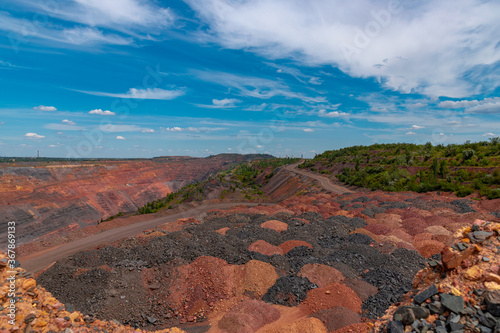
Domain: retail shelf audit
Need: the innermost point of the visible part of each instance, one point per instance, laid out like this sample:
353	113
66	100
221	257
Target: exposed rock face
58	198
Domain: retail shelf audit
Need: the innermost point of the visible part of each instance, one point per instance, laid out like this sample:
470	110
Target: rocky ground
318	263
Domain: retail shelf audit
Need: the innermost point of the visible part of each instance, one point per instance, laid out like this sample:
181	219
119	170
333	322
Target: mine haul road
39	261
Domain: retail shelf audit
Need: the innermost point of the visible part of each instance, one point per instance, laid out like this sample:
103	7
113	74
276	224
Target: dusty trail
41	260
323	181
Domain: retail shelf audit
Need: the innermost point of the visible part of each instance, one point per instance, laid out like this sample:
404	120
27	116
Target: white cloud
194	129
44	108
225	103
416	127
33	136
256	87
411	133
407	47
485	106
489	134
119	137
173	129
102	113
333	114
149	93
308	130
68	122
133	19
148	130
122	128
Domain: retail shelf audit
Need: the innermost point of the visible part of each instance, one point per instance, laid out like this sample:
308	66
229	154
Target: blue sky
144	78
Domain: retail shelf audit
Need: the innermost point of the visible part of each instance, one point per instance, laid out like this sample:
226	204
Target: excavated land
58	198
317	263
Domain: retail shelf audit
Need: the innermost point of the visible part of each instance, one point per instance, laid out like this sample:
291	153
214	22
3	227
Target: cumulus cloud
333	114
489	134
102	113
173	129
308	130
33	136
134	93
484	106
405	45
119	137
147	130
416	127
44	108
68	122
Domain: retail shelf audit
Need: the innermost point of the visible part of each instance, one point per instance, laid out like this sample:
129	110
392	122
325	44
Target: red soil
248	317
322	275
337	317
275	225
363	289
330	296
264	248
291	244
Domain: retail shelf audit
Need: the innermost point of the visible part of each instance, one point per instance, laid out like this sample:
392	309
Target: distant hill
465	169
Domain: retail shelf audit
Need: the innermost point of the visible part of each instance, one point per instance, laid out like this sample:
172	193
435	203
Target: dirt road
323	181
41	260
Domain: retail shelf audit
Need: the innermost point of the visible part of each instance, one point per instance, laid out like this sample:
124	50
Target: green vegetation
464	169
246	178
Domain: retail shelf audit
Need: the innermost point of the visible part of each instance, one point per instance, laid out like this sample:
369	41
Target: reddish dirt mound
201	284
402	235
303	325
414	225
222	231
376	238
265	248
248	317
291	244
355	328
429	247
363	289
275	225
322	275
254	278
378	229
337	317
330	296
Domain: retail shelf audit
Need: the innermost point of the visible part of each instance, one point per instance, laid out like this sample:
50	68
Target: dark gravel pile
462	206
289	291
99	282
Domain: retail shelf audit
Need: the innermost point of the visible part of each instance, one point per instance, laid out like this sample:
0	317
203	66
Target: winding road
41	260
38	261
323	181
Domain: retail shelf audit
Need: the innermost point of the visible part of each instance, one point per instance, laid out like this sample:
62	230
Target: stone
473	273
395	327
492	285
441	329
436	307
452	259
455	326
408	314
484	329
488	320
152	320
492	277
452	302
427	293
492	300
479	236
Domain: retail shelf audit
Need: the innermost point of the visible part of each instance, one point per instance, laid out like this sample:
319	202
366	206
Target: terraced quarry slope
57	198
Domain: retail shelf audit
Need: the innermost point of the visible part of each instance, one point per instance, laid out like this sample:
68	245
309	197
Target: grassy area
241	178
464	169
